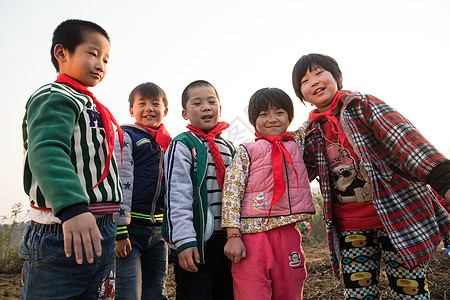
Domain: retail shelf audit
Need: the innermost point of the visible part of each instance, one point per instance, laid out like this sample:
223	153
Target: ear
166	110
60	53
184	114
220	110
131	112
340	82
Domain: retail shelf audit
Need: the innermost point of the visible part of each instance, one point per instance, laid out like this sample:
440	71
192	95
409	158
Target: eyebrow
97	49
207	98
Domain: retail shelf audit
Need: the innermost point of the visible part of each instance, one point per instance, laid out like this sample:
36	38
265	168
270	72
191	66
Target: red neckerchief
107	119
217	157
161	135
278	152
335	127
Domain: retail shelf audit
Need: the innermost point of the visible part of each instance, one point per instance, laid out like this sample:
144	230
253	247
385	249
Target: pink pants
274	267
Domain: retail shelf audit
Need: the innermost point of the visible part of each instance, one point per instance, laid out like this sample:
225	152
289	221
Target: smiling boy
195	165
70	174
141	252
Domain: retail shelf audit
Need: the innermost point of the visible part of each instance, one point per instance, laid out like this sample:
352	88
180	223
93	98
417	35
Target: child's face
148	112
87	63
319	87
273	121
202	108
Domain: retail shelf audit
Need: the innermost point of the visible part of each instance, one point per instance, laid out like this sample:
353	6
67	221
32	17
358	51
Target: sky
397	51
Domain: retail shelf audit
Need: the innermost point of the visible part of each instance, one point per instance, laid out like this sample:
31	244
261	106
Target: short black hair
70	34
148	90
308	63
194	84
267	98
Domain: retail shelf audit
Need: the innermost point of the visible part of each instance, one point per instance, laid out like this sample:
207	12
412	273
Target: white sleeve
126	175
179	194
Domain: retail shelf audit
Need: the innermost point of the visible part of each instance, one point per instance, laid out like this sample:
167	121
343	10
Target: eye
93	54
304	81
105	61
262	114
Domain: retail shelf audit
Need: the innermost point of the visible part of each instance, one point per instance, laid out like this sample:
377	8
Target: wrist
234	235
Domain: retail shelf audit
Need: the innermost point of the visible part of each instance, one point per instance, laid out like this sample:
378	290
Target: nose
206	106
100	65
314	81
272	118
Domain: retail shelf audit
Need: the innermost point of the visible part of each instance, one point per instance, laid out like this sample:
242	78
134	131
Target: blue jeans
142	273
49	274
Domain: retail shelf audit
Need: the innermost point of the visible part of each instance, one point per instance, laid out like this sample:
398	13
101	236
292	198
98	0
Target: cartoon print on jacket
350	183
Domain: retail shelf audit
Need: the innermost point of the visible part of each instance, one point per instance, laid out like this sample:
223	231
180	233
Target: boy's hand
82	231
123	247
235	250
186	259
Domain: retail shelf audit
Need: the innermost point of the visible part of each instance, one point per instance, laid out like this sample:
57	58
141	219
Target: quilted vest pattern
259	190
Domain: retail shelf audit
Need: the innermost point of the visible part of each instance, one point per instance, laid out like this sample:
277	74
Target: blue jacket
142	180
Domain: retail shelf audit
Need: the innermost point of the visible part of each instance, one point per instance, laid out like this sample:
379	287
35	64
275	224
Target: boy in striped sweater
70	174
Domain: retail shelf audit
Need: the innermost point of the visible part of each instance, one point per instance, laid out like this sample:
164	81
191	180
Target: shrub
10	237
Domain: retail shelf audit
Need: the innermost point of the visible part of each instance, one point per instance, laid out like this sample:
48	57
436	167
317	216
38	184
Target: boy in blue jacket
141	252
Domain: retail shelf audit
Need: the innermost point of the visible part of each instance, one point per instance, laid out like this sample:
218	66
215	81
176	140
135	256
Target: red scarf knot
217	157
329	115
161	135
107	119
278	152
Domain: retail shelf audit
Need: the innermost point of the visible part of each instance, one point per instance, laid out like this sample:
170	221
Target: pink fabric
257	199
279	155
271	269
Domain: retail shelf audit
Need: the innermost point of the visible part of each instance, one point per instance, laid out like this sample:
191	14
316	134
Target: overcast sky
396	50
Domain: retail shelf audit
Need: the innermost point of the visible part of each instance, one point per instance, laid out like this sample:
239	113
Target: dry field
320	283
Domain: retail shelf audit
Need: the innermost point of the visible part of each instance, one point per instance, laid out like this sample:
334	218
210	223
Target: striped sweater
65	152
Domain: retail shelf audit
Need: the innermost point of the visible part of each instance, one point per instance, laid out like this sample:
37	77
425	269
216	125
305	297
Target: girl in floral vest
266	192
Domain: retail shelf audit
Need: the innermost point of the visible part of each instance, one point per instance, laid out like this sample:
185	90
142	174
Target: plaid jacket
398	161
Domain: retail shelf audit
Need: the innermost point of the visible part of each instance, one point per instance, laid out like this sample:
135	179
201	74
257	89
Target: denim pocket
41	247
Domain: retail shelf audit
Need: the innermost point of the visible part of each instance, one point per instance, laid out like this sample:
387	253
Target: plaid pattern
398	160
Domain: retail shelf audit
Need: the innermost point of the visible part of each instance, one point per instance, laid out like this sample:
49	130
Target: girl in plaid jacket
373	168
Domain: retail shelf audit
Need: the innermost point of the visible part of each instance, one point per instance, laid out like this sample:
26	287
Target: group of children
116	199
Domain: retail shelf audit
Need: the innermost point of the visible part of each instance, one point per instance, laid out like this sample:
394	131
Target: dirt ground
320	283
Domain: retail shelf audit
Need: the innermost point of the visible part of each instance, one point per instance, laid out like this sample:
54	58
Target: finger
87	244
192	267
77	248
196	256
68	244
244	253
96	240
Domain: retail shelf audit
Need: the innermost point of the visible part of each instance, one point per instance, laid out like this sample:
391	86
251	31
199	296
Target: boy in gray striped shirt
195	165
70	174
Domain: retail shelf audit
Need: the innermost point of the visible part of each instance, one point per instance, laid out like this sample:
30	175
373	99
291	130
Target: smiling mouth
207	117
318	90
